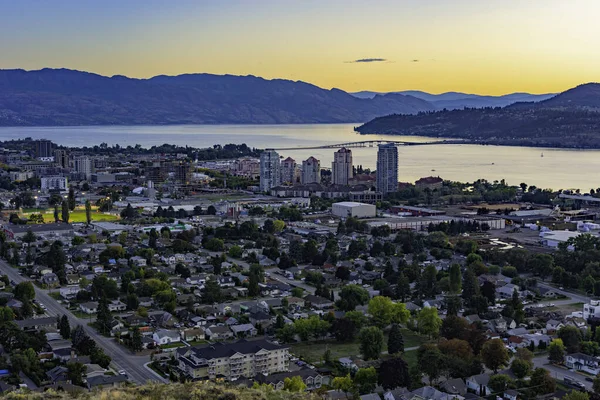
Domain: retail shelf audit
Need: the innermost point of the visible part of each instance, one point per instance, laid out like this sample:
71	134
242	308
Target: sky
485	47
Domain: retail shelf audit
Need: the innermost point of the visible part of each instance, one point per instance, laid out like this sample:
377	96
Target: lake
557	169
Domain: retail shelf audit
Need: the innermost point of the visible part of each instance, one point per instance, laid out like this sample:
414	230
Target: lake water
557	169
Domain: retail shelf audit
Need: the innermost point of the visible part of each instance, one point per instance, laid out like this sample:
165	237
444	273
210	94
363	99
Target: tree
103	317
556	351
371	342
393	373
24	291
64	327
542	381
76	372
343	384
499	383
429	322
71	198
294	384
287	333
455	277
212	292
470	286
576	395
454	327
365	380
56	214
596	385
571	337
211	210
88	211
520	368
136	340
395	340
494	355
29	237
352	296
402	288
344	329
97	356
430	361
384	312
65	212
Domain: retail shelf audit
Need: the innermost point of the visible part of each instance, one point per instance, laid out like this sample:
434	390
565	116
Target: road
122	359
559	373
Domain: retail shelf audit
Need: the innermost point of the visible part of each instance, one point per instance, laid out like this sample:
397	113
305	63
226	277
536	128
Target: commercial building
387	168
288	171
61	158
43	148
347	209
341	167
84	166
47	230
311	171
270	170
59	183
20	176
232	361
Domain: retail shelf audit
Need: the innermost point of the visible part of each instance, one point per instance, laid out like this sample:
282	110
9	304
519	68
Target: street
122	358
559	373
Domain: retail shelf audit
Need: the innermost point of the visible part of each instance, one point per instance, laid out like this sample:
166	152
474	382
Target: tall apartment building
341	167
311	170
288	171
61	158
54	183
387	168
43	148
270	170
85	166
233	360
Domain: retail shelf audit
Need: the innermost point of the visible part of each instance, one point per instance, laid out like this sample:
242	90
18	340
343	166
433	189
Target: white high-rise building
54	183
341	167
288	171
85	166
311	171
270	170
387	168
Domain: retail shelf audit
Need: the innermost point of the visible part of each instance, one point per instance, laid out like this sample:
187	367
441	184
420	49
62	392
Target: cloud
368	60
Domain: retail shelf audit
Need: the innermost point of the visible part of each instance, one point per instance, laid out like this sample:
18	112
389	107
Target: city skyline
486	48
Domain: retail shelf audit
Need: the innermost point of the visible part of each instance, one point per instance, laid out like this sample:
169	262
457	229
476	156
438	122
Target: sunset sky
477	46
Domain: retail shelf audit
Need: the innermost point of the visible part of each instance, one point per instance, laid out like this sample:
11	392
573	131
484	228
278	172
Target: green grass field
313	351
74	216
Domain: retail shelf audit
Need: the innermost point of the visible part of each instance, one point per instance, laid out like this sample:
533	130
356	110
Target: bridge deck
365	143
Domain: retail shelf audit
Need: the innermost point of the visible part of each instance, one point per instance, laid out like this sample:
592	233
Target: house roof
221	350
105	380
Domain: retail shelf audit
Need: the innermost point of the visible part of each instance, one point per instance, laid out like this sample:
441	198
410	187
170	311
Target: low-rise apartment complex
231	361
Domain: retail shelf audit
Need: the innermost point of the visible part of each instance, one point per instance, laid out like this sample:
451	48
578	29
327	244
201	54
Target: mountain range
570	119
54	97
457	100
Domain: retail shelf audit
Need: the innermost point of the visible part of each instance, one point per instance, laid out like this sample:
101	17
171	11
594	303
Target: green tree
88	212
393	373
56	214
64	327
103	317
343	384
371	342
29	237
294	384
542	382
520	368
571	337
402	287
384	312
212	292
76	372
235	252
596	385
430	361
499	383
65	212
24	291
494	354
455	278
71	198
136	340
352	296
395	340
429	322
556	351
365	380
576	395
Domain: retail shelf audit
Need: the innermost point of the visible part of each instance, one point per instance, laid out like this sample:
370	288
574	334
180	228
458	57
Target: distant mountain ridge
56	97
570	119
458	100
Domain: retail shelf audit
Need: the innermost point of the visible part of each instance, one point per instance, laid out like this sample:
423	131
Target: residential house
192	334
259	318
244	330
50	280
506	291
318	302
58	374
511	394
311	378
583	362
218	332
105	381
32	324
548	292
553	325
242	359
165	336
431	393
69	292
479	384
225	281
117	305
91	307
454	386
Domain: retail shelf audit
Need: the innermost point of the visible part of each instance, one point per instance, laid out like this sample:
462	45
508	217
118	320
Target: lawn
78	215
313	351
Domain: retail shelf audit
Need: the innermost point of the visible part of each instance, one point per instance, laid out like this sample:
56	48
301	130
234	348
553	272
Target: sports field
77	215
